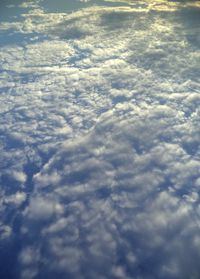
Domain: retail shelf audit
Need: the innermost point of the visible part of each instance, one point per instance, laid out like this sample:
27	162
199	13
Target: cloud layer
100	169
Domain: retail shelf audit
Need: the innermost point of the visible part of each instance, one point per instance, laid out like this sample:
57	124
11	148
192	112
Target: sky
99	139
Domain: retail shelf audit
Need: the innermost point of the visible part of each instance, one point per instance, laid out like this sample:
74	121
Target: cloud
100	143
42	209
126	196
6	232
16	199
20	176
29	258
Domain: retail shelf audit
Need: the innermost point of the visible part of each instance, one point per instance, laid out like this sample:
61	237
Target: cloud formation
100	143
129	198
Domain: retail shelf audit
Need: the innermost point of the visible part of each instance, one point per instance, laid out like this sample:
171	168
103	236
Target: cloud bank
100	169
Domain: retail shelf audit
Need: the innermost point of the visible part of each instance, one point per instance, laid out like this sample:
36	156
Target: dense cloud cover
99	141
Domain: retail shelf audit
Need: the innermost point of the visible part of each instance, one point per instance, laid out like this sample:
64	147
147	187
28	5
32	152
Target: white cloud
29	258
20	176
117	183
100	126
5	232
16	199
42	208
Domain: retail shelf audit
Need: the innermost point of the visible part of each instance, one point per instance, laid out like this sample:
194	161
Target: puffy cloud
29	258
16	199
123	199
6	232
42	208
100	142
20	176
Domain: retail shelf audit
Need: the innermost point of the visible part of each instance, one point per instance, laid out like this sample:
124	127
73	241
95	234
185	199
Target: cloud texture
100	169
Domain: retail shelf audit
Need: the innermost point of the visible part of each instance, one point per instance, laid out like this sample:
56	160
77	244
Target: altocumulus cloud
129	198
100	142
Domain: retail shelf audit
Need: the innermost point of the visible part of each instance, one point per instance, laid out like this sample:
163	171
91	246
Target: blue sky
99	139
